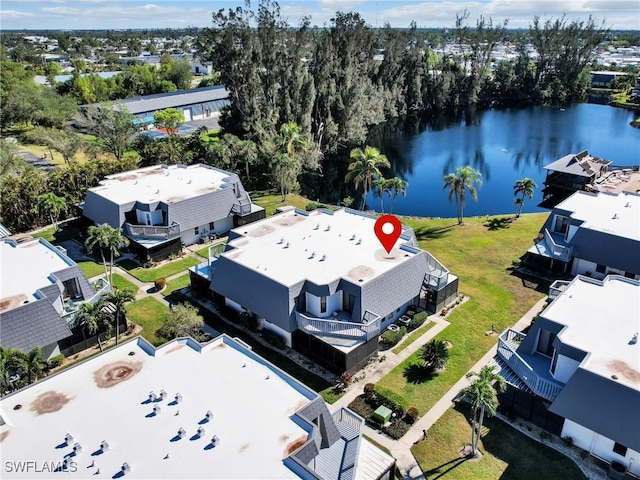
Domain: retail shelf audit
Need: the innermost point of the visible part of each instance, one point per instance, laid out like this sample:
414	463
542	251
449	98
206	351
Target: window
619	449
211	225
561	224
629	275
196	230
601	268
323	304
348	301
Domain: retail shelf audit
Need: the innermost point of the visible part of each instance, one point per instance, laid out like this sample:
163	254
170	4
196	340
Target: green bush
249	320
397	429
389	338
417	320
391	400
160	283
274	339
362	408
311	206
55	361
411	415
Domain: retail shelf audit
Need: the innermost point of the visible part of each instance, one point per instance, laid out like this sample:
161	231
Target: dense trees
182	321
112	126
365	166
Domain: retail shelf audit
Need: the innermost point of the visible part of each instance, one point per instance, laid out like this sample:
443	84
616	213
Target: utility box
382	414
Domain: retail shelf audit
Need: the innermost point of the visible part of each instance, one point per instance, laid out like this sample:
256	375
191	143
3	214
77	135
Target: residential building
582	358
41	289
195	104
604	78
323	282
590	234
182	410
161	208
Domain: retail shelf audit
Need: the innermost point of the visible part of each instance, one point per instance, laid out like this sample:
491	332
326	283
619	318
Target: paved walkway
401	449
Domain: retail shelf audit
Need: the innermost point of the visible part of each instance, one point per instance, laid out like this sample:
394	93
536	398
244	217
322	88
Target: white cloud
14	15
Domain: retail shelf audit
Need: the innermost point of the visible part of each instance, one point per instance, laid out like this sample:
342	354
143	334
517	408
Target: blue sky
115	14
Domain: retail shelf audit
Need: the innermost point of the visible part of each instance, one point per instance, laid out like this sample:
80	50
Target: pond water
504	145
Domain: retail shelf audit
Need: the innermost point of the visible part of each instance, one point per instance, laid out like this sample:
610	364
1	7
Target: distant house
41	289
571	173
163	207
322	281
198	67
590	234
603	78
195	104
577	371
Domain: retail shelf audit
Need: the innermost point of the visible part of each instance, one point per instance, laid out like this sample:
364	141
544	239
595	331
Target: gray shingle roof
161	101
581	164
35	324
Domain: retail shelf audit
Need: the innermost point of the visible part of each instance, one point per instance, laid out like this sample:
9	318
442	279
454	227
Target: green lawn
91	268
121	283
166	270
176	284
413	336
64	232
480	253
507	454
270	200
149	313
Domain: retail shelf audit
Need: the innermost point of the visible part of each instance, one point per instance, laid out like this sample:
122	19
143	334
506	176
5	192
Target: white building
161	208
183	410
582	355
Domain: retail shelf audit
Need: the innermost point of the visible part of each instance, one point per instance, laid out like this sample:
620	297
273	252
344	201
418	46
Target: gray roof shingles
35	324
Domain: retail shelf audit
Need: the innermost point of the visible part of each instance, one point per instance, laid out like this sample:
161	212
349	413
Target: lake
505	145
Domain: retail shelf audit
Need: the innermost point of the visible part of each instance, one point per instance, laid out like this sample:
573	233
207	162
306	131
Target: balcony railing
557	288
243	207
347	416
154	232
437	275
334	327
557	251
539	385
101	286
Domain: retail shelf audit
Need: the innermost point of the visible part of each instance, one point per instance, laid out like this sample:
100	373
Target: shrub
361	407
391	400
411	415
397	429
346	378
369	388
249	320
417	320
274	339
515	263
311	206
568	441
160	283
55	361
390	338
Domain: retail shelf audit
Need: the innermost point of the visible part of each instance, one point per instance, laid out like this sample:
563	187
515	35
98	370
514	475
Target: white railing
347	416
101	286
154	231
437	275
243	207
557	288
558	251
539	385
338	328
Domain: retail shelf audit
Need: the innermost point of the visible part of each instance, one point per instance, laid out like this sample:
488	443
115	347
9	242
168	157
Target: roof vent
615	216
104	446
181	432
68	439
215	441
317	226
323	258
201	432
359	241
208	416
281	241
628	204
178	398
156	410
287	245
125	468
313	255
77	448
328	228
163	394
158	190
152	396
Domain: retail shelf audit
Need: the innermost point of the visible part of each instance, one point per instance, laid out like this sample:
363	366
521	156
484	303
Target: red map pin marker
388	229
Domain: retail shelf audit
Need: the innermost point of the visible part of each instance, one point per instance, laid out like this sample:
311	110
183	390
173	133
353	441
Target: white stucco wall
581	266
600	446
565	367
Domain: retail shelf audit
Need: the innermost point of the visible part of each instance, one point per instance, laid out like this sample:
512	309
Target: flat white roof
24	268
321	247
106	399
166	183
602	318
617	214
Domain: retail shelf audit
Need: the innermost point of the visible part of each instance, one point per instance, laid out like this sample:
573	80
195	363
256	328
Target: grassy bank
480	253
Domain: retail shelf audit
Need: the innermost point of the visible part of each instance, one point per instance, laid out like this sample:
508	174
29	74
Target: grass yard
121	283
91	268
176	284
64	232
480	253
149	313
270	200
166	270
413	336
507	454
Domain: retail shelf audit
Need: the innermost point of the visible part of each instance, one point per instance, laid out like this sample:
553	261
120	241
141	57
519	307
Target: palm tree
291	138
483	396
105	237
397	186
33	364
10	360
365	166
118	298
381	186
458	183
91	317
53	204
287	165
435	354
525	188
